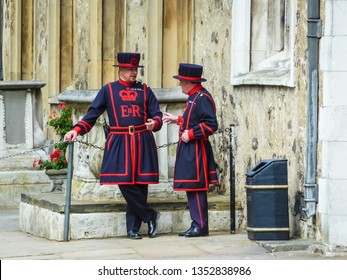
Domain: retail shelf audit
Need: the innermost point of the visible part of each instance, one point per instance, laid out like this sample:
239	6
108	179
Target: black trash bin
267	201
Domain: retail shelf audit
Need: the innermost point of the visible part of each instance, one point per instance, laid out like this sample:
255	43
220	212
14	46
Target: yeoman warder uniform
130	157
195	167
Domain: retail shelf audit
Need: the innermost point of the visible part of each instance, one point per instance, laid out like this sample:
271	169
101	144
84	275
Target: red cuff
156	124
191	134
77	129
179	120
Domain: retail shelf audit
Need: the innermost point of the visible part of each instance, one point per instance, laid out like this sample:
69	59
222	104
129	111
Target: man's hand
169	118
70	136
185	136
150	124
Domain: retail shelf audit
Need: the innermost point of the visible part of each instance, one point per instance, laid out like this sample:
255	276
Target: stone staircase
17	176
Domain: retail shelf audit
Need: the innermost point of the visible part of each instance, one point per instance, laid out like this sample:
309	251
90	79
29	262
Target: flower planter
57	177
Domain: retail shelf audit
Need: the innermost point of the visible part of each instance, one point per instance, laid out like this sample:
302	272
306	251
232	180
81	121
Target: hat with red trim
190	72
128	59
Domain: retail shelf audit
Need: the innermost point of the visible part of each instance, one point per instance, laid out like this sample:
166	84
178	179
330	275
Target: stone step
43	215
23	177
18	160
55	201
13	183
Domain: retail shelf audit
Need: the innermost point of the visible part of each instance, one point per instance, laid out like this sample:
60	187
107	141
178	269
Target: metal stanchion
68	192
232	180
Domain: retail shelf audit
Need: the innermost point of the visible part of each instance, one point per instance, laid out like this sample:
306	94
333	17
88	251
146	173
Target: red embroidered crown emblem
134	62
128	95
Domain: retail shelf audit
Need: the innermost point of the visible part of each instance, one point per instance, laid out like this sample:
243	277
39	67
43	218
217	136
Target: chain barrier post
68	192
232	179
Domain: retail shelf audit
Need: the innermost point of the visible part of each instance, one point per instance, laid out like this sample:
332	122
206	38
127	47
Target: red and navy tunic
130	155
195	167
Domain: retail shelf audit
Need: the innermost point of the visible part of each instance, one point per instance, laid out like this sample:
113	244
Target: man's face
128	74
185	86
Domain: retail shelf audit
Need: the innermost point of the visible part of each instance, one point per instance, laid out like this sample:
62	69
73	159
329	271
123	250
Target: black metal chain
101	148
21	153
42	148
167	145
89	145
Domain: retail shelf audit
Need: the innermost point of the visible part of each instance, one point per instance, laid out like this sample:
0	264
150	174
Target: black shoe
152	225
185	232
196	232
133	234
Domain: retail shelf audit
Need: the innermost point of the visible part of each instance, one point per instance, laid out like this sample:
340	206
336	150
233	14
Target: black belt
131	129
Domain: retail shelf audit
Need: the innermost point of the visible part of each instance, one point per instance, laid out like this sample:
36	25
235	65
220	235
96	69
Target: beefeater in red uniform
195	168
130	157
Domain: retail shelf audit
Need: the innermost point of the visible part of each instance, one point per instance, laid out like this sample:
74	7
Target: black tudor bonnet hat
190	72
128	59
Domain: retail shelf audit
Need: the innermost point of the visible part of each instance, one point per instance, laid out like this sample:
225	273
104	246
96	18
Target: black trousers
137	210
198	208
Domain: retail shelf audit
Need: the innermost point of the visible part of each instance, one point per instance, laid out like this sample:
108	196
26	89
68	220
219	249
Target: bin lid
268	172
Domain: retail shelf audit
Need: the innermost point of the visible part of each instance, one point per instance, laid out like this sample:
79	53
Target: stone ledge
21	84
55	201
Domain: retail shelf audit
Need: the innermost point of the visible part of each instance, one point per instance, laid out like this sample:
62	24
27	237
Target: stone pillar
66	44
113	40
53	74
154	43
27	43
12	35
80	44
177	37
95	44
